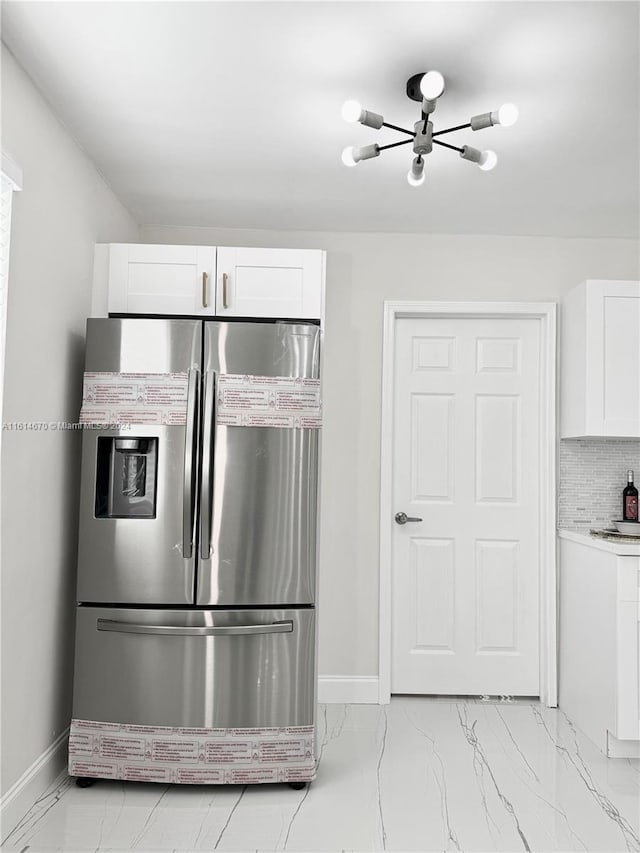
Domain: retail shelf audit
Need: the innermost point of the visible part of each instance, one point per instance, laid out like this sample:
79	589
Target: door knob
402	518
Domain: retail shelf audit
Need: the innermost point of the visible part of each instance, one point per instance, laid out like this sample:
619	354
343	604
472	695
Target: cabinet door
283	283
628	650
613	358
627	703
161	279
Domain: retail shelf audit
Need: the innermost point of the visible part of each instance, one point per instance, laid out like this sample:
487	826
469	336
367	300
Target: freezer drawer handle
285	627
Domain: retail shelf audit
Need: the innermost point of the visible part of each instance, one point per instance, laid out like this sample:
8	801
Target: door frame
545	314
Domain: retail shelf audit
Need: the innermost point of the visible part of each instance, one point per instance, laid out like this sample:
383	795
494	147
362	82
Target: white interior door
465	577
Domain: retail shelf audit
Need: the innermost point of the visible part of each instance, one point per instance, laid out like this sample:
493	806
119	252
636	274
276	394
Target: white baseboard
353	689
32	784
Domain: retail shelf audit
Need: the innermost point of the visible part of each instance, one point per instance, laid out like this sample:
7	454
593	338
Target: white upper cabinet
285	283
600	352
145	279
189	280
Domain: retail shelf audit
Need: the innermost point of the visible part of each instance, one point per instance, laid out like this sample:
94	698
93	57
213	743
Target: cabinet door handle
225	302
204	290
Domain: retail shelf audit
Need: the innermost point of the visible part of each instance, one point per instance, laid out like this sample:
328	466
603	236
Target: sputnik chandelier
425	88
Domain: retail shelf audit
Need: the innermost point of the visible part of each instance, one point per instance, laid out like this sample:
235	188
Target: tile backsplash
592	475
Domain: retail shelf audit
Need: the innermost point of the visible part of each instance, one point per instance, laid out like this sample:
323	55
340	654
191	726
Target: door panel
497	455
431	463
621	324
433	611
212	669
466	464
264	487
497	599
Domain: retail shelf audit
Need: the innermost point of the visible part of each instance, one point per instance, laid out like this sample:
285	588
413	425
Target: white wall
64	208
362	271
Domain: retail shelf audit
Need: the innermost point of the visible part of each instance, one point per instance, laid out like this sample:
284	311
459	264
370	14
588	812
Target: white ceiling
228	114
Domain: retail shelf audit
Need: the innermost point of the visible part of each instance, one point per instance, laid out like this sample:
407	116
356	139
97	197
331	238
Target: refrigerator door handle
207	462
285	627
188	497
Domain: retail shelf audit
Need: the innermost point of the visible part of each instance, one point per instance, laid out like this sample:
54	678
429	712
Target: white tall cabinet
600	360
211	281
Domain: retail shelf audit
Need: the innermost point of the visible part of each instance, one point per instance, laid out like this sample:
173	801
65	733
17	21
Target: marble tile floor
416	775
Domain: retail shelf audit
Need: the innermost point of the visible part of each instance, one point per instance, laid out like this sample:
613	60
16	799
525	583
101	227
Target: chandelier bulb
351	156
507	115
415	182
347	156
488	160
485	160
432	85
351	111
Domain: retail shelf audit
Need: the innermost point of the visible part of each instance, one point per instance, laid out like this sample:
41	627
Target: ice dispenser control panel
126	477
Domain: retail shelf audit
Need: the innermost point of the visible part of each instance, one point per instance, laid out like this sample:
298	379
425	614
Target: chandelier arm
395	127
451	129
395	144
446	145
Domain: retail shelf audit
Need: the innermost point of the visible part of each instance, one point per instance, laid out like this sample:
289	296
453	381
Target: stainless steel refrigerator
195	655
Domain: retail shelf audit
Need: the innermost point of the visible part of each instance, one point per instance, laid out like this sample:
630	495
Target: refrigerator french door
195	642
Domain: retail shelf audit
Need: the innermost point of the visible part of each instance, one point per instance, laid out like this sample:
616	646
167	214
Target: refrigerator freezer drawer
209	669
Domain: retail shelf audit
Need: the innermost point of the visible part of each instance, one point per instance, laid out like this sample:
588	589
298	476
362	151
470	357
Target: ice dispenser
126	477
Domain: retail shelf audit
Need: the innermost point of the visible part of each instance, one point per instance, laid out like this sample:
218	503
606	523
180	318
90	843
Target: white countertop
582	536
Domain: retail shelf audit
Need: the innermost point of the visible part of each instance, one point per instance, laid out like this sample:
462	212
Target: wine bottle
630	500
